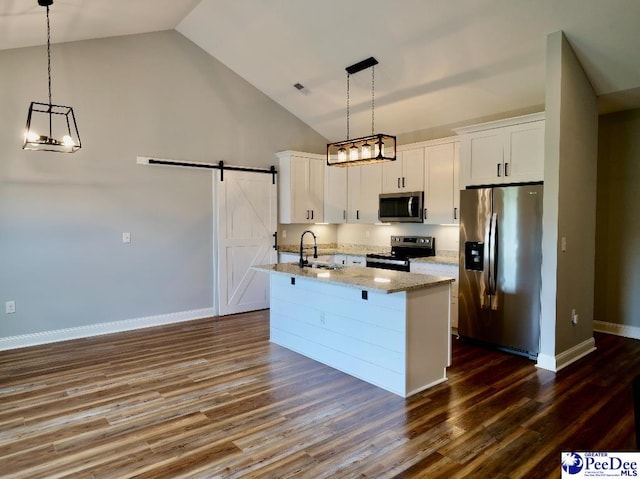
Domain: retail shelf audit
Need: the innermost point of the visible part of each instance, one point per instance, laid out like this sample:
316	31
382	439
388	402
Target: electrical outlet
284	233
574	316
126	237
10	307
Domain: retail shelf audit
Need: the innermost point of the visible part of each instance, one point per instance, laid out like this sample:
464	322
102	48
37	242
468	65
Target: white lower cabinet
356	260
439	269
384	339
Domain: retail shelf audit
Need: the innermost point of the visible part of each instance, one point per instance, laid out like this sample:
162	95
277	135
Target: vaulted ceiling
441	62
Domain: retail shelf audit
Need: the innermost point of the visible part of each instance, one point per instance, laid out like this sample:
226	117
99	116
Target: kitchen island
389	328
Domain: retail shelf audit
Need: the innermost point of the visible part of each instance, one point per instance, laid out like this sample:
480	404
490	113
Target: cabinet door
392	174
356	260
363	190
524	152
483	156
335	194
353	194
439	179
370	188
300	204
456	183
413	170
404	174
316	191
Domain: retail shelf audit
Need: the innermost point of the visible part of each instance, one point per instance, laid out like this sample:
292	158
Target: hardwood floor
213	398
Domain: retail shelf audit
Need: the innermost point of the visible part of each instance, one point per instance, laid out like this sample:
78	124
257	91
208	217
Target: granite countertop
448	260
382	280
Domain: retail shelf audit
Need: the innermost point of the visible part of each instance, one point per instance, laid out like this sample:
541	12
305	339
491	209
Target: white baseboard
46	337
632	332
562	360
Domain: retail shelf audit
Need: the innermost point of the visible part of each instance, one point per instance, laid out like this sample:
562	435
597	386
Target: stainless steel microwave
401	207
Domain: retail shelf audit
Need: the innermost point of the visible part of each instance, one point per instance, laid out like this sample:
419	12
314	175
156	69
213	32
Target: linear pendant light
366	150
51	127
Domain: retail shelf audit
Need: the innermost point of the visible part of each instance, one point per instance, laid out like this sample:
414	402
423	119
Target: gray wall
62	216
571	132
618	228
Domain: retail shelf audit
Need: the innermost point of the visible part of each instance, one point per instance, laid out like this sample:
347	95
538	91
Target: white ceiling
442	62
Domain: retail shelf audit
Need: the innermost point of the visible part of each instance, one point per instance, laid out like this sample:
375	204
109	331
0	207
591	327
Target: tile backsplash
371	235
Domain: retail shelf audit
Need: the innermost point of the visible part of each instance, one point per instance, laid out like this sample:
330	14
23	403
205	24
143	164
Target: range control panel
413	241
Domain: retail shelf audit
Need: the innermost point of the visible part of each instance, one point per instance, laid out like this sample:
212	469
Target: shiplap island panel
388	328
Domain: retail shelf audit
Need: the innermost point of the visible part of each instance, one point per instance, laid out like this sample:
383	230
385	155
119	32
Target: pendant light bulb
342	154
353	153
366	150
31	136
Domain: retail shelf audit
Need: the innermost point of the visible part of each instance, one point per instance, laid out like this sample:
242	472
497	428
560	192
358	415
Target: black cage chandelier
51	127
369	149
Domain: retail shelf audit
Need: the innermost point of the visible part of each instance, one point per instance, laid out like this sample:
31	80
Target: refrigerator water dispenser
474	255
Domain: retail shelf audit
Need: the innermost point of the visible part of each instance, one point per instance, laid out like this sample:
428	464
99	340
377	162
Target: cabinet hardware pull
311	214
357	214
275	241
403	181
506	169
344	214
398	182
455	213
498	170
425	213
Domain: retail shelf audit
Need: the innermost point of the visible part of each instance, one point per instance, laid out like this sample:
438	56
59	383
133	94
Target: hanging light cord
373	70
348	75
49	54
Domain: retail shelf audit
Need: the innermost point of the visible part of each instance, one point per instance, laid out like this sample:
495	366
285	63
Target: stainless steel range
403	248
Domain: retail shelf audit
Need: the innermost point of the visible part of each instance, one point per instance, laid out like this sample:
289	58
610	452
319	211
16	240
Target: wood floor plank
213	398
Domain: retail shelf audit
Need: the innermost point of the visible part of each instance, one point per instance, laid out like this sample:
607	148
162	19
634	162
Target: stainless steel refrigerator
500	266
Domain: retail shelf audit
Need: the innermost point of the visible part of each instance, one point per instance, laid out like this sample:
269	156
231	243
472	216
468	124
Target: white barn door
246	211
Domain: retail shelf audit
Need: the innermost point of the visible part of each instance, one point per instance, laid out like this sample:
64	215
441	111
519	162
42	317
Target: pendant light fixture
369	149
51	127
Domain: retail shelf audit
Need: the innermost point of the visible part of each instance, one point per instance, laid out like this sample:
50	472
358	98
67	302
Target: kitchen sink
331	266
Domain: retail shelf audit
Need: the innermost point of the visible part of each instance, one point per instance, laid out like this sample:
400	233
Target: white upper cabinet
404	174
335	194
301	187
442	194
505	151
364	184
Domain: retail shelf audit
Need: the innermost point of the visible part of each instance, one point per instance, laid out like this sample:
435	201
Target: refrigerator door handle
487	257
493	259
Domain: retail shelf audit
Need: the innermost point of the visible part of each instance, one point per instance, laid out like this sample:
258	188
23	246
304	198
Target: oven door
396	264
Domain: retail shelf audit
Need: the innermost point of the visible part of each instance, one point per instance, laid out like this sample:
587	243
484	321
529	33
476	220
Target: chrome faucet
303	261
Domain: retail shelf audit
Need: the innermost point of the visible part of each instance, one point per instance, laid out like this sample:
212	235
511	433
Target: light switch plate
10	307
126	237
